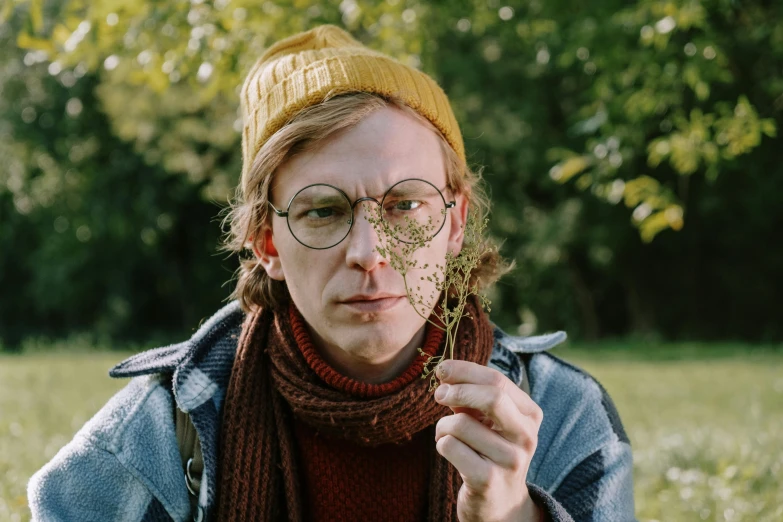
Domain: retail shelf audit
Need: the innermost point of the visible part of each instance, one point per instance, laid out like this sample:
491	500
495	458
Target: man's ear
459	217
266	253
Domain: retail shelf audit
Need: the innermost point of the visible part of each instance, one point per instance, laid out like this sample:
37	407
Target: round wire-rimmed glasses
320	215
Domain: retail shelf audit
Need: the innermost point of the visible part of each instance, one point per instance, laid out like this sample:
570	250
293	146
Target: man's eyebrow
422	191
321	198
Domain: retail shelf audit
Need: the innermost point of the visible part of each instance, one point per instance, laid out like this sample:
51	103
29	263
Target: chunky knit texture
306	68
336	473
260	472
349	483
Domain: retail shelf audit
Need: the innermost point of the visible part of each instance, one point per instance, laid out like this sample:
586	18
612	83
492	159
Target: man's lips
368	297
373	303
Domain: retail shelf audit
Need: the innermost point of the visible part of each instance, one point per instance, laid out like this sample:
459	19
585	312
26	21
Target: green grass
706	425
44	400
707	432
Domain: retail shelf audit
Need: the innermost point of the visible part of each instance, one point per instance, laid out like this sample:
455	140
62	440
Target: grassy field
707	430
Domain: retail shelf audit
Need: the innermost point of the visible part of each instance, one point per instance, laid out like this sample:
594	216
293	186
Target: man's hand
490	439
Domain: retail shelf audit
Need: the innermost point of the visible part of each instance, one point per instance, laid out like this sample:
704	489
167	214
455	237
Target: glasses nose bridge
365	198
353	206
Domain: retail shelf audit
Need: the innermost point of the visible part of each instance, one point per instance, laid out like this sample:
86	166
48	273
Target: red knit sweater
345	482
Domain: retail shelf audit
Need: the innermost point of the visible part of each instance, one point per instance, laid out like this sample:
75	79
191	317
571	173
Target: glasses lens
320	216
415	209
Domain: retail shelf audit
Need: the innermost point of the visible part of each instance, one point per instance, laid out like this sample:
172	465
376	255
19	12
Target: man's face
352	299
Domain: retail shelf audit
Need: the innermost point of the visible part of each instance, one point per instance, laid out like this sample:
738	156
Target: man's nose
361	250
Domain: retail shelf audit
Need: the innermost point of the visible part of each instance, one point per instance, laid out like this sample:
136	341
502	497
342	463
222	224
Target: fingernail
441	391
441	371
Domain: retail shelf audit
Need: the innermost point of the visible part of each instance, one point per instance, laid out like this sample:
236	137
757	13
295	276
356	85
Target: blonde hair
248	214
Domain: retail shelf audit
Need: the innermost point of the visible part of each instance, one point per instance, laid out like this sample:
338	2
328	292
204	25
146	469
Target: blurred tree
170	75
653	103
583	115
91	238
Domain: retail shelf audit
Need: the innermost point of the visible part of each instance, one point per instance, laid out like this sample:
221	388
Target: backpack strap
190	454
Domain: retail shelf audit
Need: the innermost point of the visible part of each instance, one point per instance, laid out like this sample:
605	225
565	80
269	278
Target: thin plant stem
453	277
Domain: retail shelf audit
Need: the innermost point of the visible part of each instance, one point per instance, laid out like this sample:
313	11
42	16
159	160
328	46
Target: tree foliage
630	148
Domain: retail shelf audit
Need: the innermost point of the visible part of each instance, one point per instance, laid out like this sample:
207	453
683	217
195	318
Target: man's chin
375	337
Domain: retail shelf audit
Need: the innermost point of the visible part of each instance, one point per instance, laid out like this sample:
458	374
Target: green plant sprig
452	280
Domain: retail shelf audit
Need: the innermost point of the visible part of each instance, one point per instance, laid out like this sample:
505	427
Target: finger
479	438
476	414
456	372
495	404
474	469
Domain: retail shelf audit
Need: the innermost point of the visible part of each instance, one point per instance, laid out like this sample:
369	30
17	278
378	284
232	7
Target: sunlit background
632	154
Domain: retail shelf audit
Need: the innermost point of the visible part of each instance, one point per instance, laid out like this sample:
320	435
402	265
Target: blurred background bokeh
630	148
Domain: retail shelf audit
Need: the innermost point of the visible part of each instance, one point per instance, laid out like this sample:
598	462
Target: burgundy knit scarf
271	380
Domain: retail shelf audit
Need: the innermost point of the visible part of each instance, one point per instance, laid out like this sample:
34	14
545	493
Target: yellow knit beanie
302	70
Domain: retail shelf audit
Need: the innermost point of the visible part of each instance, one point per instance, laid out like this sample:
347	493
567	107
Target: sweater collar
433	342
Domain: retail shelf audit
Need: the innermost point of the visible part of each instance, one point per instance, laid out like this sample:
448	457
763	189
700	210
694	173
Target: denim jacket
124	464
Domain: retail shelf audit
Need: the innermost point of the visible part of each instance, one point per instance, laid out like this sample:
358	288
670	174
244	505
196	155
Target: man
305	392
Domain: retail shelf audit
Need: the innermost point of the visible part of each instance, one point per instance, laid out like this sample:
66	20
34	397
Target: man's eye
320	213
407	205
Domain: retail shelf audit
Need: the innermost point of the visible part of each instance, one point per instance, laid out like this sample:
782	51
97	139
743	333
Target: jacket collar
201	366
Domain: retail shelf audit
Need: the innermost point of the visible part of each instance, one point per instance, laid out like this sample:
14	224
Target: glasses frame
284	213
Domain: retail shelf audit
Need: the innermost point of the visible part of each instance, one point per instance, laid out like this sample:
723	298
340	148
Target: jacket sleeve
600	488
122	465
104	490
